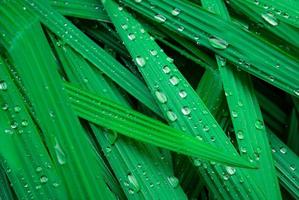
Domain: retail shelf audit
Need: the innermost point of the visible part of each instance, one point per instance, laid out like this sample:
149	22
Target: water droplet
174	182
3	85
183	94
240	135
5	106
292	167
38	169
131	36
197	162
175	12
161	96
218	43
283	150
112	137
14	125
205	128
221	61
186	110
270	19
140	61
153	52
17	109
160	18
43	179
166	69
296	92
124	26
55	185
138	1
60	155
171	116
225	177
174	80
259	124
24	123
230	170
133	182
181	28
234	114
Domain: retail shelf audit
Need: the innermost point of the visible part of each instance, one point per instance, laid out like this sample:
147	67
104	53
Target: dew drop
230	170
174	80
205	128
166	69
175	12
186	110
3	85
24	123
161	96
296	92
270	19
14	125
183	94
240	135
292	167
259	124
181	28
140	61
5	106
234	114
160	18
174	182
60	155
218	43
38	169
133	182
138	1
153	52
124	26
171	115
283	150
43	179
131	36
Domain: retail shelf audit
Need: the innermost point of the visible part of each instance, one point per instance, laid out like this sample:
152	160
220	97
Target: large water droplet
270	19
171	116
186	110
140	61
3	85
174	182
174	80
60	155
160	18
175	12
133	182
218	43
161	96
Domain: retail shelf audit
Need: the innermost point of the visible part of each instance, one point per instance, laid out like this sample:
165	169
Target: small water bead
161	96
296	92
186	110
230	170
5	106
174	80
166	69
171	116
270	19
160	18
140	61
174	181
24	123
3	85
259	124
153	52
131	36
234	114
283	150
183	94
181	28
55	185
38	169
133	182
218	43
124	26
225	177
8	131
17	109
240	135
292	167
169	59
43	179
138	1
205	128
175	12
197	162
14	125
